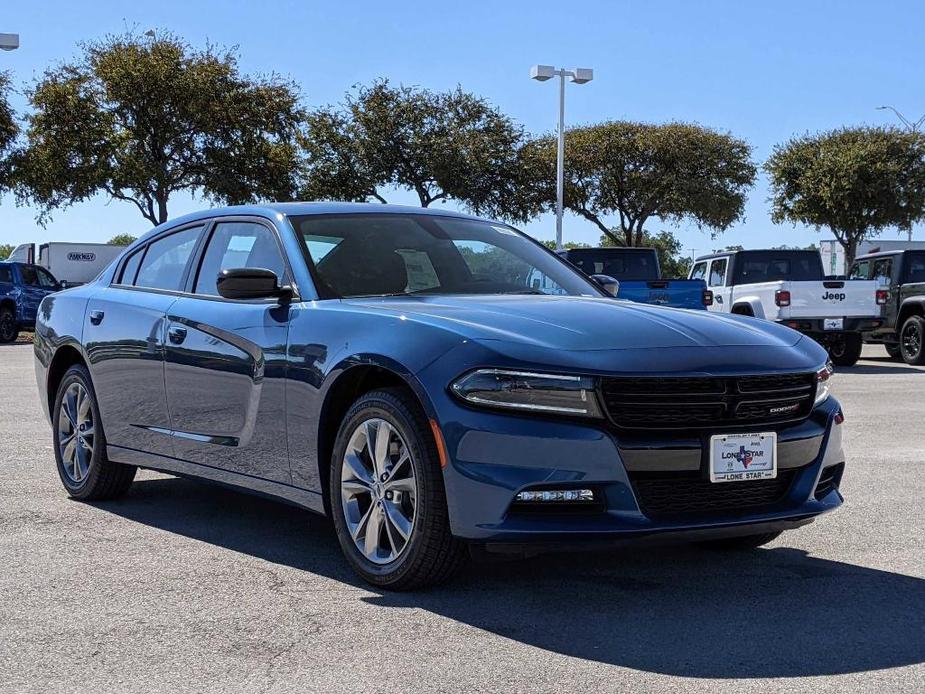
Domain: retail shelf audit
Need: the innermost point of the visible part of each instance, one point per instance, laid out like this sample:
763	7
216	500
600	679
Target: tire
912	340
85	471
412	503
9	331
847	351
742	543
894	351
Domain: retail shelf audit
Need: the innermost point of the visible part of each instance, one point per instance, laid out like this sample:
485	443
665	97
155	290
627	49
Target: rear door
124	333
885	272
226	360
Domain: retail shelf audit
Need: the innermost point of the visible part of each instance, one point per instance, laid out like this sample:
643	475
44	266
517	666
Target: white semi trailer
70	263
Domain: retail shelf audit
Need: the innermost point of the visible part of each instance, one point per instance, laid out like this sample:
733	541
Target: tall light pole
913	127
9	42
579	75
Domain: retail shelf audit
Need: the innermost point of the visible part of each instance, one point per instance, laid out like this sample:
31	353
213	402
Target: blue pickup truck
22	288
639	275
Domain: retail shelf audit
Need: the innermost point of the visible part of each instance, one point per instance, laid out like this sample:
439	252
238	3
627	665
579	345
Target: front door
226	361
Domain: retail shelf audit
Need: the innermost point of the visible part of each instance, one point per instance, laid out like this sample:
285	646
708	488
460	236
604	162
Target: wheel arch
350	380
910	307
65	357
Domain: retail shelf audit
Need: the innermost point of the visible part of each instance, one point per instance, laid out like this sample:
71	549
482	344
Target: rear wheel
912	340
387	496
894	351
745	542
9	331
846	350
80	445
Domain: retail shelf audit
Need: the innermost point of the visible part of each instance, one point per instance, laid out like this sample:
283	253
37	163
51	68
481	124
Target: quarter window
166	259
130	269
699	272
238	245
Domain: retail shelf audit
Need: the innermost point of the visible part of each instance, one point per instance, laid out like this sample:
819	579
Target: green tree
854	181
636	171
140	118
440	145
5	250
8	130
672	261
122	240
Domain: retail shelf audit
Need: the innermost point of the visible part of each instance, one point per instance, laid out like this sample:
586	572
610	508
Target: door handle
96	317
176	334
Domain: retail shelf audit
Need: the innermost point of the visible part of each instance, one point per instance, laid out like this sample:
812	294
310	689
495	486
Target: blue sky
764	71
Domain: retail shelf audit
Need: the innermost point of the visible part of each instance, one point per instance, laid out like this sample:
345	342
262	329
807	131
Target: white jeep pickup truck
790	287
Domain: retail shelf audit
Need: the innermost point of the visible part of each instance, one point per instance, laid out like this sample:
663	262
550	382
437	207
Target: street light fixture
580	75
9	42
913	127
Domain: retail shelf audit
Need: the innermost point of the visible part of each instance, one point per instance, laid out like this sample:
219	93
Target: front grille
663	495
828	480
699	402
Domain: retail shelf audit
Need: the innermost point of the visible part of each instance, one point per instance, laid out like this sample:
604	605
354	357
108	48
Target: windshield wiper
525	291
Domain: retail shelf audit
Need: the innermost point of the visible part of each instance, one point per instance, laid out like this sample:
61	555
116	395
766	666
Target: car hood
583	323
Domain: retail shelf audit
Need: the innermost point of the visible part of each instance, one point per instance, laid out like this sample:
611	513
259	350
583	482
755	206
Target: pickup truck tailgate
832	299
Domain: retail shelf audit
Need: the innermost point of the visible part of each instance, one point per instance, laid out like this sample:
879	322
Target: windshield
618	263
397	254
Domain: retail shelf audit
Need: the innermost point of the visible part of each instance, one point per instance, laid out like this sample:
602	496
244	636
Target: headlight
532	392
823	376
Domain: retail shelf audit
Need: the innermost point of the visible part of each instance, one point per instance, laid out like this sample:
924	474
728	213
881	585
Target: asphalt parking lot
186	587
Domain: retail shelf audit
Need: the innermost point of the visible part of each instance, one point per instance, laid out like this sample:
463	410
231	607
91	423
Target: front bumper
492	457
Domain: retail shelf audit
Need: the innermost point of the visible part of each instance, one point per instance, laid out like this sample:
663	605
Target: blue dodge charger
433	382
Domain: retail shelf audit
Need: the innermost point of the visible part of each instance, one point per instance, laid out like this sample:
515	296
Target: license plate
833	323
743	457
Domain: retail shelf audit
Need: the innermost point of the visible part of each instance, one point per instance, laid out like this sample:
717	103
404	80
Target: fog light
555	495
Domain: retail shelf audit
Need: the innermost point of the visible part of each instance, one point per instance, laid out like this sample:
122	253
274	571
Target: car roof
723	254
295	209
880	254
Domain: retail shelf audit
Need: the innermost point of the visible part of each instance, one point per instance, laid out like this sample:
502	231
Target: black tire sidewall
853	344
79	374
919	324
382	405
8	329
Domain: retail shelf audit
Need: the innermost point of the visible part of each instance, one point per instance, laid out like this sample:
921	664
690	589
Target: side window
6	275
718	273
130	269
699	272
859	270
238	245
883	271
916	269
36	277
166	259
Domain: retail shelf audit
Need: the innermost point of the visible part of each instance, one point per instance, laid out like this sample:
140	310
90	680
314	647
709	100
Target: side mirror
607	283
62	284
251	283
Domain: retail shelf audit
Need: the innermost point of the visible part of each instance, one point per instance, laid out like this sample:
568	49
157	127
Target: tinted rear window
915	267
770	266
618	263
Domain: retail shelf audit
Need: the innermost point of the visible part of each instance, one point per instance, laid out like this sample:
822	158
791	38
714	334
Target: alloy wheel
76	433
378	491
912	340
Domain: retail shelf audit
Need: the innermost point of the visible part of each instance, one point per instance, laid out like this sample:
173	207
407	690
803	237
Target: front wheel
387	497
744	542
912	340
846	350
80	445
9	331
